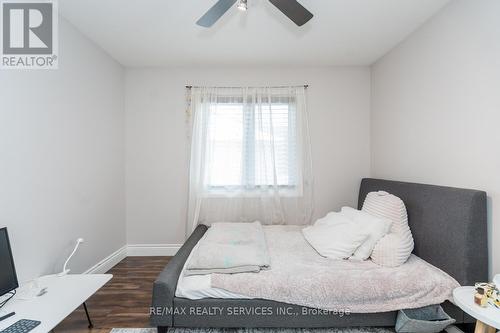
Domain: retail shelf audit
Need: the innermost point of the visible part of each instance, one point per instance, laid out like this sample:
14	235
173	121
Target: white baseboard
139	250
133	250
107	263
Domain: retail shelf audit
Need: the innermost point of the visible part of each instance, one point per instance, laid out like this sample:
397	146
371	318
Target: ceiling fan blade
293	10
215	13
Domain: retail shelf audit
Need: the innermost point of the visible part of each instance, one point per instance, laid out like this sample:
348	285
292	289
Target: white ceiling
163	32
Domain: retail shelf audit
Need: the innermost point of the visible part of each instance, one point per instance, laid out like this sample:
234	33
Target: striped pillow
395	247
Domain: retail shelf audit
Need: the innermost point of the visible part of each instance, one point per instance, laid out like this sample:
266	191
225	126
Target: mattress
300	276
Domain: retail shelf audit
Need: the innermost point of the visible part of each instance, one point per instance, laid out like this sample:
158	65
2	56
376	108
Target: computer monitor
8	277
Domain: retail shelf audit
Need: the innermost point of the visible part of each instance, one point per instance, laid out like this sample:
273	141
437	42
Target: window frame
294	189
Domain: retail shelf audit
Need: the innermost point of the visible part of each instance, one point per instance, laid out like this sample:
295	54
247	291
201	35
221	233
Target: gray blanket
299	275
230	248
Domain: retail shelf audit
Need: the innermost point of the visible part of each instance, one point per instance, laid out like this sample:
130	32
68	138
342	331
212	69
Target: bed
450	232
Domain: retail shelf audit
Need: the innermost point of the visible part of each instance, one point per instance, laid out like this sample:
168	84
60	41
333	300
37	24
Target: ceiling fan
291	8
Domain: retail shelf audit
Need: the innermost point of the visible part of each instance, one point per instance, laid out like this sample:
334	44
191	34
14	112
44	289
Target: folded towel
230	248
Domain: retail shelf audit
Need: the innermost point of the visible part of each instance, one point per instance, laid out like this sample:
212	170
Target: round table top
464	298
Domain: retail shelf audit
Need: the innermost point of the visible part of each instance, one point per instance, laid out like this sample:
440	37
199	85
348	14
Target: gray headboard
448	225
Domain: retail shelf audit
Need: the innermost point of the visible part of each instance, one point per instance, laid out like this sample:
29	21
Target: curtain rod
305	86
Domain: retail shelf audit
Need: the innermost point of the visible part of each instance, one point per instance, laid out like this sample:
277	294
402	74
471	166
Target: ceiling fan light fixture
291	8
242	5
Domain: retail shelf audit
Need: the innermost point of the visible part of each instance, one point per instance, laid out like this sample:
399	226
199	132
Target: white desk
487	318
64	295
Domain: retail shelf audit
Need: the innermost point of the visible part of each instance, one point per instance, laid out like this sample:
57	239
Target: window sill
242	194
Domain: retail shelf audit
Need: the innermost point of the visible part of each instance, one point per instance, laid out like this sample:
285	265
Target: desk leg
88	316
483	328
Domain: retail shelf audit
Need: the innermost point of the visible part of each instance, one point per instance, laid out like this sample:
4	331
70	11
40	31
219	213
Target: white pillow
333	218
395	247
337	239
376	227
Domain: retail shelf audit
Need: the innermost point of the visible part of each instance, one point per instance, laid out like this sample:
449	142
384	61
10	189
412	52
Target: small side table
488	319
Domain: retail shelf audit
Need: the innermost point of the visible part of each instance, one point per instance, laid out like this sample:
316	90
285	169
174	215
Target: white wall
157	146
436	106
62	158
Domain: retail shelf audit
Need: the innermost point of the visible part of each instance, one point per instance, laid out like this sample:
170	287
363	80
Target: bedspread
299	275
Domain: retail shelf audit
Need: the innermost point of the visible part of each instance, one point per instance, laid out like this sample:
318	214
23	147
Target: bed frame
449	230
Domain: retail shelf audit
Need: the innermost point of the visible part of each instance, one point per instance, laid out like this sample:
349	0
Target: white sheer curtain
250	156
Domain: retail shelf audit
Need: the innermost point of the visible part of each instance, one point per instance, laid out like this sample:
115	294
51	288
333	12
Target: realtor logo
29	34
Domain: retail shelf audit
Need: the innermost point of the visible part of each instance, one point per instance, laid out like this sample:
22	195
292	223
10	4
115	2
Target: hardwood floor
123	302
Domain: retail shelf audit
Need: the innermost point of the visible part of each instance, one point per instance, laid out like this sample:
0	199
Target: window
250	155
251	145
